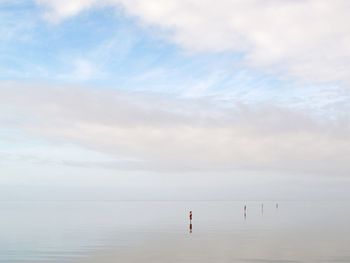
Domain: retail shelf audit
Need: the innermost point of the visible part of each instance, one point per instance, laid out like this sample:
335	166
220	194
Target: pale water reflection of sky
159	231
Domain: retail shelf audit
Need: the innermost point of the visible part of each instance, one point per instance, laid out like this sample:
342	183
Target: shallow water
160	232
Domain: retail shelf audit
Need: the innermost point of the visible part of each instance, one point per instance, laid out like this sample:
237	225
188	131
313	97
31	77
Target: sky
174	99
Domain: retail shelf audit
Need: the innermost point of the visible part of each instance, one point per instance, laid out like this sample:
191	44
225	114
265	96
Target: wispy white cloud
159	133
307	39
58	10
80	69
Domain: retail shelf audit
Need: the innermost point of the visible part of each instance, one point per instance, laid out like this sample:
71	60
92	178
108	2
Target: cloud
81	69
161	134
58	10
307	39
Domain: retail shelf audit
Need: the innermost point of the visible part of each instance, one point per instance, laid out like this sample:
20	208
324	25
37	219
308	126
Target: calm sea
126	231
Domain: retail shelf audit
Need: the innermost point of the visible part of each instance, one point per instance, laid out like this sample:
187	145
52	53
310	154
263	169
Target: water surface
160	232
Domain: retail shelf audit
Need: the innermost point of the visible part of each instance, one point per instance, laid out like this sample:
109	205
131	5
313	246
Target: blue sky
106	48
139	88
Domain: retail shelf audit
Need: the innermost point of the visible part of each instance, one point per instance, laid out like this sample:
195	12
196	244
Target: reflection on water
159	232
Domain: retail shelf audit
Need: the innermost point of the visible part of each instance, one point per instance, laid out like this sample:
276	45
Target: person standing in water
190	215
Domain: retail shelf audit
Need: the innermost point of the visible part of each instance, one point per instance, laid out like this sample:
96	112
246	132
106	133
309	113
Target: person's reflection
245	215
190	228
